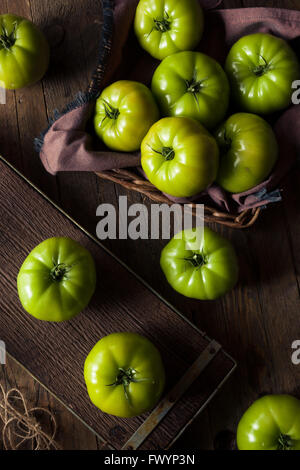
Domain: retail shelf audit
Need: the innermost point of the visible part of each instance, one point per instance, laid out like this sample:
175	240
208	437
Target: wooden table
256	323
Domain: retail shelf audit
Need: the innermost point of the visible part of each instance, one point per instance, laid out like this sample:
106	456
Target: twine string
21	427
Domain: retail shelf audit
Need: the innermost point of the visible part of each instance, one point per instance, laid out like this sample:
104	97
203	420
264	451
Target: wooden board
55	353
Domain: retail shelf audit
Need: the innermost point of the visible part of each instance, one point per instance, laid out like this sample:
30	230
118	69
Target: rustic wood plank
73	59
27	116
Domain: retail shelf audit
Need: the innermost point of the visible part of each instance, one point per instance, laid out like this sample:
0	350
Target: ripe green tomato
203	267
124	375
271	423
191	84
261	69
125	111
24	52
248	152
164	27
57	280
179	156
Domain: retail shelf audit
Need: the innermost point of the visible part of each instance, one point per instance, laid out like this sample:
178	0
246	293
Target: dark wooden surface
55	353
256	323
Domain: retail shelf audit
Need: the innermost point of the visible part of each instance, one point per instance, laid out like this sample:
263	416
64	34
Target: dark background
256	323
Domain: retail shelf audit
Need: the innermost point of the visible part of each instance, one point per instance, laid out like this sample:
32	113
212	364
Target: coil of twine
21	428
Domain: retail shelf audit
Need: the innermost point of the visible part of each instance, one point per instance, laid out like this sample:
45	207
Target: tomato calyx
110	111
7	40
162	24
59	271
124	378
194	86
284	442
261	69
197	260
167	152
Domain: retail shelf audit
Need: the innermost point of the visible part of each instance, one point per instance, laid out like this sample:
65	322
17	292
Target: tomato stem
8	40
59	271
284	442
162	24
124	378
110	111
197	260
167	152
261	69
194	86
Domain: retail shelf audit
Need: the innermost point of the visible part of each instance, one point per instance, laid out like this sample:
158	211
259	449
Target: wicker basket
131	180
75	150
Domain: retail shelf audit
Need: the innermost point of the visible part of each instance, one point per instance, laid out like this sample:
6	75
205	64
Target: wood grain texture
55	353
258	321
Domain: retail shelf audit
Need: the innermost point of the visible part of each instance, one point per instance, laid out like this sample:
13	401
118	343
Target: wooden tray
54	353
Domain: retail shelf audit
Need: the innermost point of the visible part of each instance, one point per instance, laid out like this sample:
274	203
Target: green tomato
200	264
125	111
248	152
124	375
191	84
261	69
164	27
57	280
24	52
179	156
271	423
